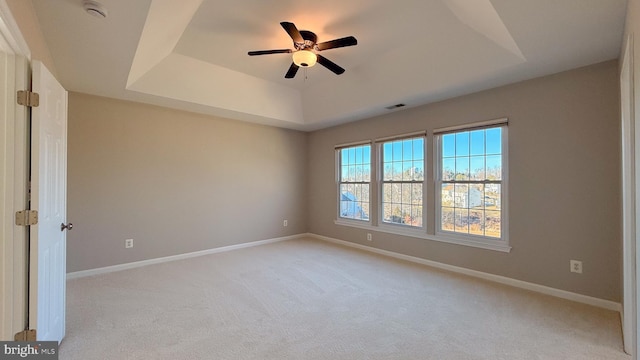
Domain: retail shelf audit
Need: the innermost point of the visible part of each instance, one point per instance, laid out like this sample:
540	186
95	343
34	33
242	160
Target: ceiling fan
305	48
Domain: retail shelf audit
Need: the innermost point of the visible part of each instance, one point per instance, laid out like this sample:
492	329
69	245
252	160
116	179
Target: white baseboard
589	300
132	265
563	294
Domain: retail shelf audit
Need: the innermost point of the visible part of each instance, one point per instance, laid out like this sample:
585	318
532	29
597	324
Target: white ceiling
192	54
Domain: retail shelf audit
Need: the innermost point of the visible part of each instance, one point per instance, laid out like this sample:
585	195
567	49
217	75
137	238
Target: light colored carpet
306	299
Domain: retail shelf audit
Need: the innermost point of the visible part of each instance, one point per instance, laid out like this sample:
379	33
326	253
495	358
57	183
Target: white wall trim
7	150
137	264
13	148
9	28
629	301
584	299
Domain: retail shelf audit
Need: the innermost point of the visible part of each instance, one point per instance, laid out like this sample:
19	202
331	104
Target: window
471	182
354	182
402	182
466	172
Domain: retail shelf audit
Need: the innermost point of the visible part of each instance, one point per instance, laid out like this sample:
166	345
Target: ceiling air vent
94	8
391	107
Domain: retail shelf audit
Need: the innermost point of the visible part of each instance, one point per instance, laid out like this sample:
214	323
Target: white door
47	288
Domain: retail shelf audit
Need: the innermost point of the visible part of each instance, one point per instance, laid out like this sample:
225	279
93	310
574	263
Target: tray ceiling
192	54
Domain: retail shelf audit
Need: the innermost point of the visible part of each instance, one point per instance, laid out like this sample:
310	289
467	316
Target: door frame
13	172
629	205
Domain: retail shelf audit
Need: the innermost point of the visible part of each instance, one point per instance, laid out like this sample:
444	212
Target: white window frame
338	171
499	244
431	210
400	229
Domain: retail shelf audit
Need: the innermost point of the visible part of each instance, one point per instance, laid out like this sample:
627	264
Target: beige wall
175	182
128	161
564	171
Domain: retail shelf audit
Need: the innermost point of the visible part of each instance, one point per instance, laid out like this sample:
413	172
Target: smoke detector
94	8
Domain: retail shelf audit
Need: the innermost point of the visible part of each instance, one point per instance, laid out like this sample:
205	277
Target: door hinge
27	217
25	335
28	98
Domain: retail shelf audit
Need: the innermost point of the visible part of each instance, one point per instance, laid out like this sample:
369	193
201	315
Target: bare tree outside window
355	182
471	182
402	181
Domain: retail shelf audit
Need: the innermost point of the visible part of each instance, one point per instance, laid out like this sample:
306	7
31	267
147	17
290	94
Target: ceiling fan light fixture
305	58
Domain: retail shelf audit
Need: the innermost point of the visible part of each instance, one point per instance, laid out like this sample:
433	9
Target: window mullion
471	181
402	182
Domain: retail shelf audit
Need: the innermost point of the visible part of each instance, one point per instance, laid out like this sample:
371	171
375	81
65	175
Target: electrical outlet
369	238
285	223
576	266
128	244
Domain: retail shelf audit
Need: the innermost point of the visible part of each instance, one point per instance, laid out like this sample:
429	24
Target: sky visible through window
355	178
471	180
467	154
402	181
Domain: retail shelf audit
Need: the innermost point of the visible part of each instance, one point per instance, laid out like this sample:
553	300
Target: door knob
68	226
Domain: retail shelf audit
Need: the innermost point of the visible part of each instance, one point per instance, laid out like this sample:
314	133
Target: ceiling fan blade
267	52
330	65
337	43
292	30
293	69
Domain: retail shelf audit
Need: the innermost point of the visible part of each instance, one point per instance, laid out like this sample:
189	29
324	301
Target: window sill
495	245
361	224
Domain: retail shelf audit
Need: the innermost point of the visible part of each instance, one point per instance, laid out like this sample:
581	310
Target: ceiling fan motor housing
310	40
